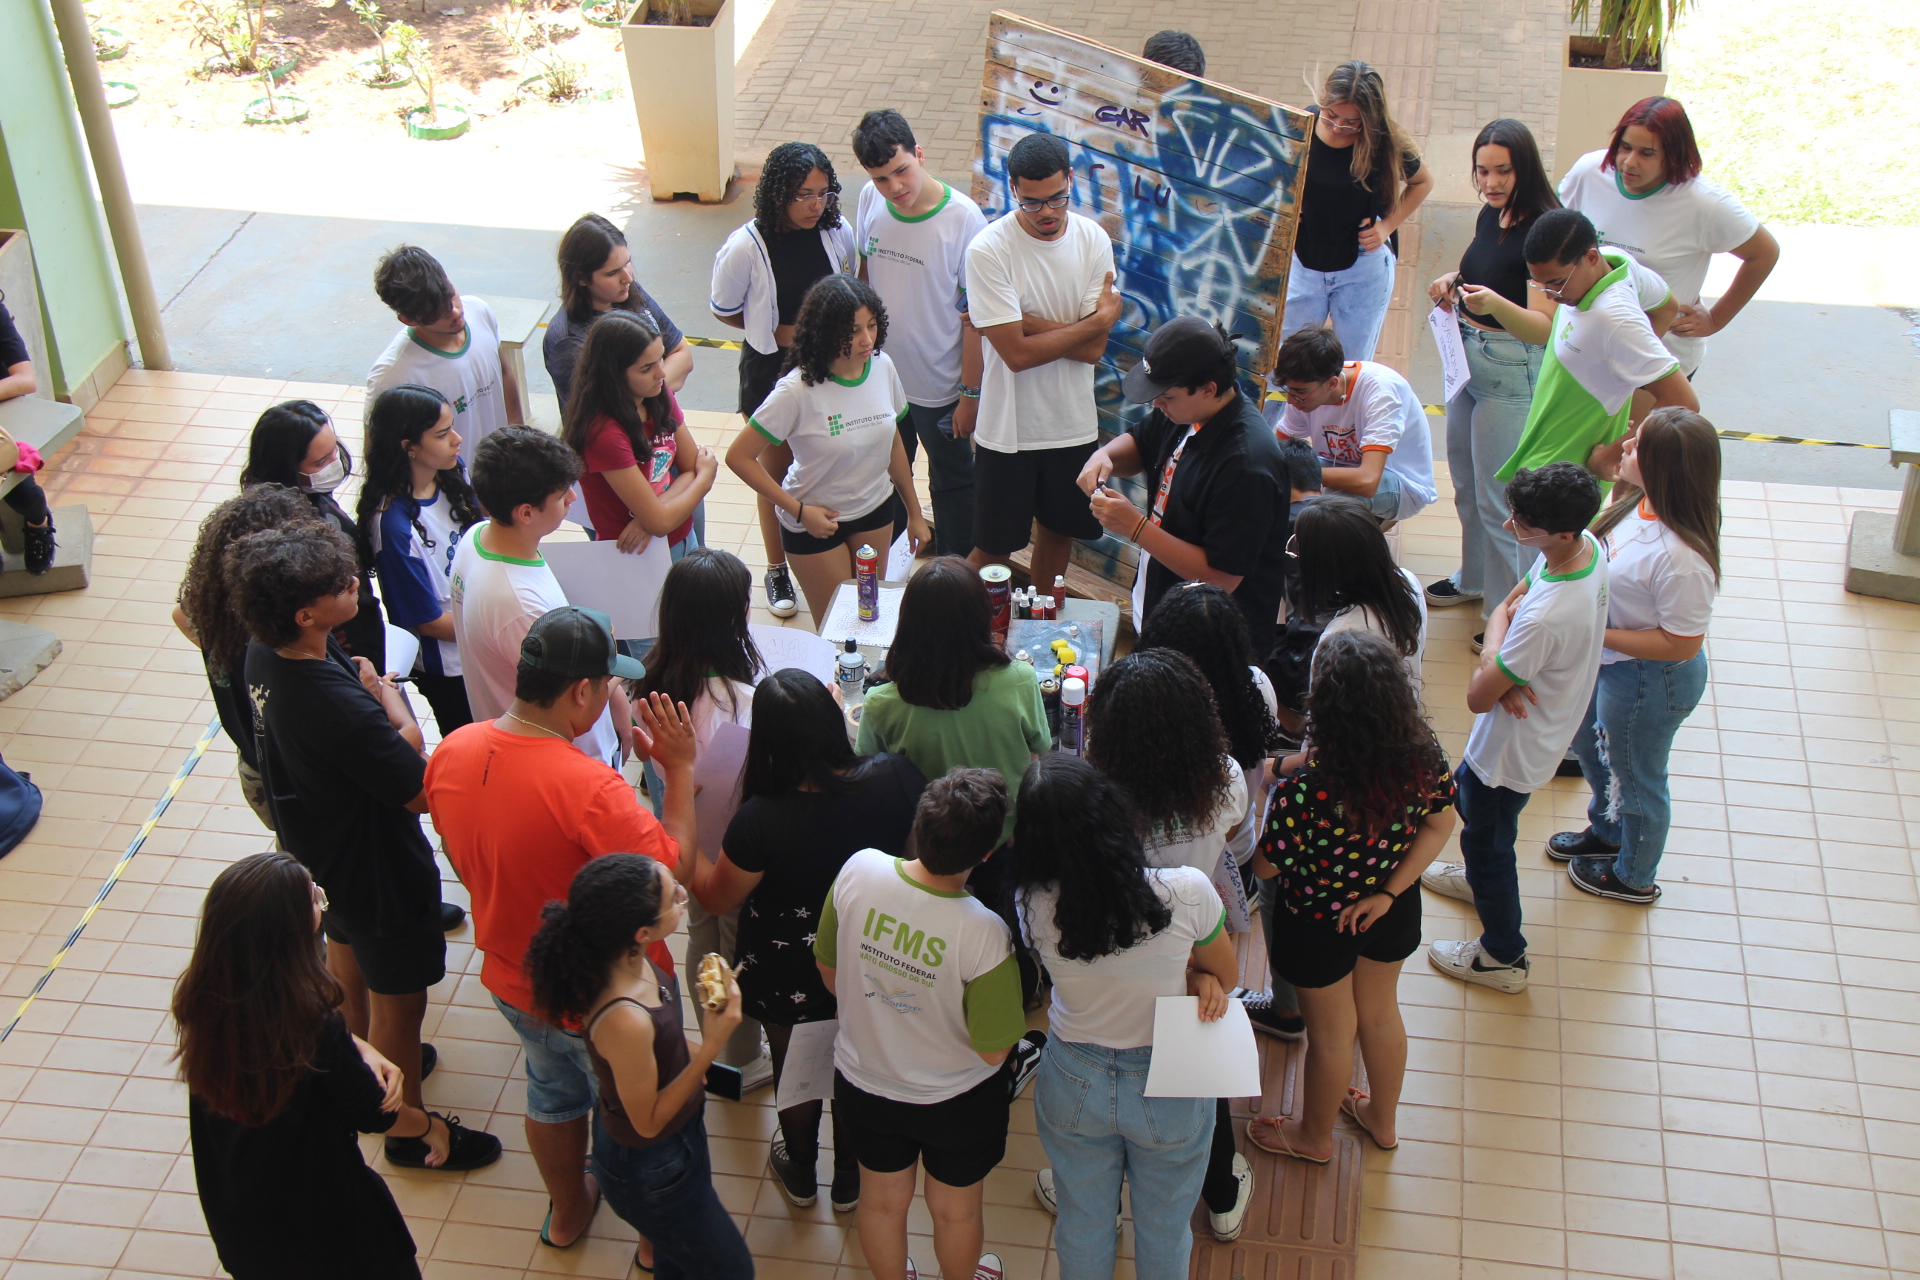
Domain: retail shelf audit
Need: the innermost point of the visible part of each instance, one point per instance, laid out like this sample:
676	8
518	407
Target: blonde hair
1679	455
1382	144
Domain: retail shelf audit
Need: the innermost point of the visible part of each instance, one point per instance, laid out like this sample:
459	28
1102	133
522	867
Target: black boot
39	548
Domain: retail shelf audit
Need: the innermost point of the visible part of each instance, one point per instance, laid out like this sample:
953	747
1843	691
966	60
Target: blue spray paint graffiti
1197	184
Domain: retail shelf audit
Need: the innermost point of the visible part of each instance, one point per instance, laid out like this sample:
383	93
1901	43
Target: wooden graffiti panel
1197	183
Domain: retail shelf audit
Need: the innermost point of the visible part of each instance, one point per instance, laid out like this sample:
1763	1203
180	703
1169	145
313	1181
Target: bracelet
800	513
1134	537
969	393
1390	893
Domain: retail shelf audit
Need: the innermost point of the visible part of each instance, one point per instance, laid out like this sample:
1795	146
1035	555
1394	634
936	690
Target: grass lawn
1808	110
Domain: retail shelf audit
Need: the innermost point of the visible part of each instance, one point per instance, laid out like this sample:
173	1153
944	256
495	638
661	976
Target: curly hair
1201	621
1368	742
786	168
611	899
1153	728
823	331
398	417
204	594
1078	834
275	573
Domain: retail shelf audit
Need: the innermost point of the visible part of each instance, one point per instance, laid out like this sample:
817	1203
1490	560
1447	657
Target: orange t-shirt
519	816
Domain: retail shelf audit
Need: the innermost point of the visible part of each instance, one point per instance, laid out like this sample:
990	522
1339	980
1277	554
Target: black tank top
670	1058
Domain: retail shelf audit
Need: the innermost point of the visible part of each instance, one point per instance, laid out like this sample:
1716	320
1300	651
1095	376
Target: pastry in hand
713	980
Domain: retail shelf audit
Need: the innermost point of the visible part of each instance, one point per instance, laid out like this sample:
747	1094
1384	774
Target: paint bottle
999	583
1073	702
1022	604
850	674
1059	590
866	582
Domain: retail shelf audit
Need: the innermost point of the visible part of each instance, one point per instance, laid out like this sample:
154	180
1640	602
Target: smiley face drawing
1047	93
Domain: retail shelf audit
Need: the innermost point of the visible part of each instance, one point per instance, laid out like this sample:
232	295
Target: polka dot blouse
1324	864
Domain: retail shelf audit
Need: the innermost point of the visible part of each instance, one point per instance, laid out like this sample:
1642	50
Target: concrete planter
1592	100
682	81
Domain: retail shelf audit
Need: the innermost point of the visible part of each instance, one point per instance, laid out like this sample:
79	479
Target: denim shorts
560	1084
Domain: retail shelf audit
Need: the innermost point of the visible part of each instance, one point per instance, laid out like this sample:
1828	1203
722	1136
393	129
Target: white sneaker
756	1073
1043	1192
1448	879
1226	1226
913	1272
989	1268
1467	962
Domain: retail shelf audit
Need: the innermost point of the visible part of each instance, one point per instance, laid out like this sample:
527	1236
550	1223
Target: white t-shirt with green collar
469	378
1602	349
1553	649
918	265
926	982
842	435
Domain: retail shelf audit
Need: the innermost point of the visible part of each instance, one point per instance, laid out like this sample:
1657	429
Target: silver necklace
542	728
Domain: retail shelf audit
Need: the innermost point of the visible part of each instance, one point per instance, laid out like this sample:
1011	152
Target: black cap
1181	353
577	643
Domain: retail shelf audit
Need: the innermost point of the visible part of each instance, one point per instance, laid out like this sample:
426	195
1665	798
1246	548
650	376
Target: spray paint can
1050	700
1075	671
866	582
850	673
999	583
1073	703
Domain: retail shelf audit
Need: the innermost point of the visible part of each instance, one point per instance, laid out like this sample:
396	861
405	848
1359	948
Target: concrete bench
48	425
519	320
1883	551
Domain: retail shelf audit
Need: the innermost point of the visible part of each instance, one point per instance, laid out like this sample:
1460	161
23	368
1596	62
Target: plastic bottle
1073	700
850	673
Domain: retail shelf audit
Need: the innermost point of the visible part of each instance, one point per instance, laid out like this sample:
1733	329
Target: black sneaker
1023	1061
1595	875
797	1182
452	916
845	1192
1568	845
781	601
1268	1020
39	548
1446	593
429	1059
470	1149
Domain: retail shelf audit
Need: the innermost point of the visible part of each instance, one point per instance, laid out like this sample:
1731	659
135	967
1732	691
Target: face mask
329	477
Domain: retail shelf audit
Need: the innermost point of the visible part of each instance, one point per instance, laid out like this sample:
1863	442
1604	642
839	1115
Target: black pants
1220	1190
30	500
800	1125
447	695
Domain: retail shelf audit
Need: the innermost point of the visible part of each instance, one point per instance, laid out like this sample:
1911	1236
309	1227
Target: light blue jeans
1638	706
1354	300
1098	1128
1484	422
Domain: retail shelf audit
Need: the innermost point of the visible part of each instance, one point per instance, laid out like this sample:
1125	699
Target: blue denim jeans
665	1192
1354	300
1489	825
949	475
1098	1128
1637	708
560	1081
1484	422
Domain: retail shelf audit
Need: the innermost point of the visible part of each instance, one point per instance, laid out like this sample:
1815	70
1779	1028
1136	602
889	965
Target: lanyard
1166	476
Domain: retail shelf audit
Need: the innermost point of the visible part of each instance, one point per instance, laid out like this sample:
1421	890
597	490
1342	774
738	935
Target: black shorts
1309	953
758	373
393	964
959	1140
1012	490
891	512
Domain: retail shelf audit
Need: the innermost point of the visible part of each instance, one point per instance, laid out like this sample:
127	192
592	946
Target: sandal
1351	1105
1253	1136
548	1224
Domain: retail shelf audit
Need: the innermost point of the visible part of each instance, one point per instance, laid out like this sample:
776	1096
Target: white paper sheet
1140	591
716	772
794	647
807	1075
598	575
403	650
1195	1059
577	513
1453	351
899	560
843	617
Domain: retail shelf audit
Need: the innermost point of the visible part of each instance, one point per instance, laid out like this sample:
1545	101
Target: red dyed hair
1666	120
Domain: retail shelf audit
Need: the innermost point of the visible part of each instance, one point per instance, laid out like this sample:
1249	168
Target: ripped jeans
1638	706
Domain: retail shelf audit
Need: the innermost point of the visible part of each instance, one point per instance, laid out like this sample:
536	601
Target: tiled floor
1727	1085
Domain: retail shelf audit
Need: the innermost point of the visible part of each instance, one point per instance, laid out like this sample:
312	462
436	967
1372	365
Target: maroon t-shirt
609	449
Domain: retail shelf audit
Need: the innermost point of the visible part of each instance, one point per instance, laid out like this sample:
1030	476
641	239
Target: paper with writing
807	1074
1453	351
782	647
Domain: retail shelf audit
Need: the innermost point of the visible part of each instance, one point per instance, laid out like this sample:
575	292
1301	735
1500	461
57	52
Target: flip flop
1253	1136
1351	1105
548	1224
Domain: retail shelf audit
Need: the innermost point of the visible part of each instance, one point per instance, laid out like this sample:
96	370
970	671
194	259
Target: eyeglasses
811	197
1293	545
1339	125
1553	289
1055	202
320	897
